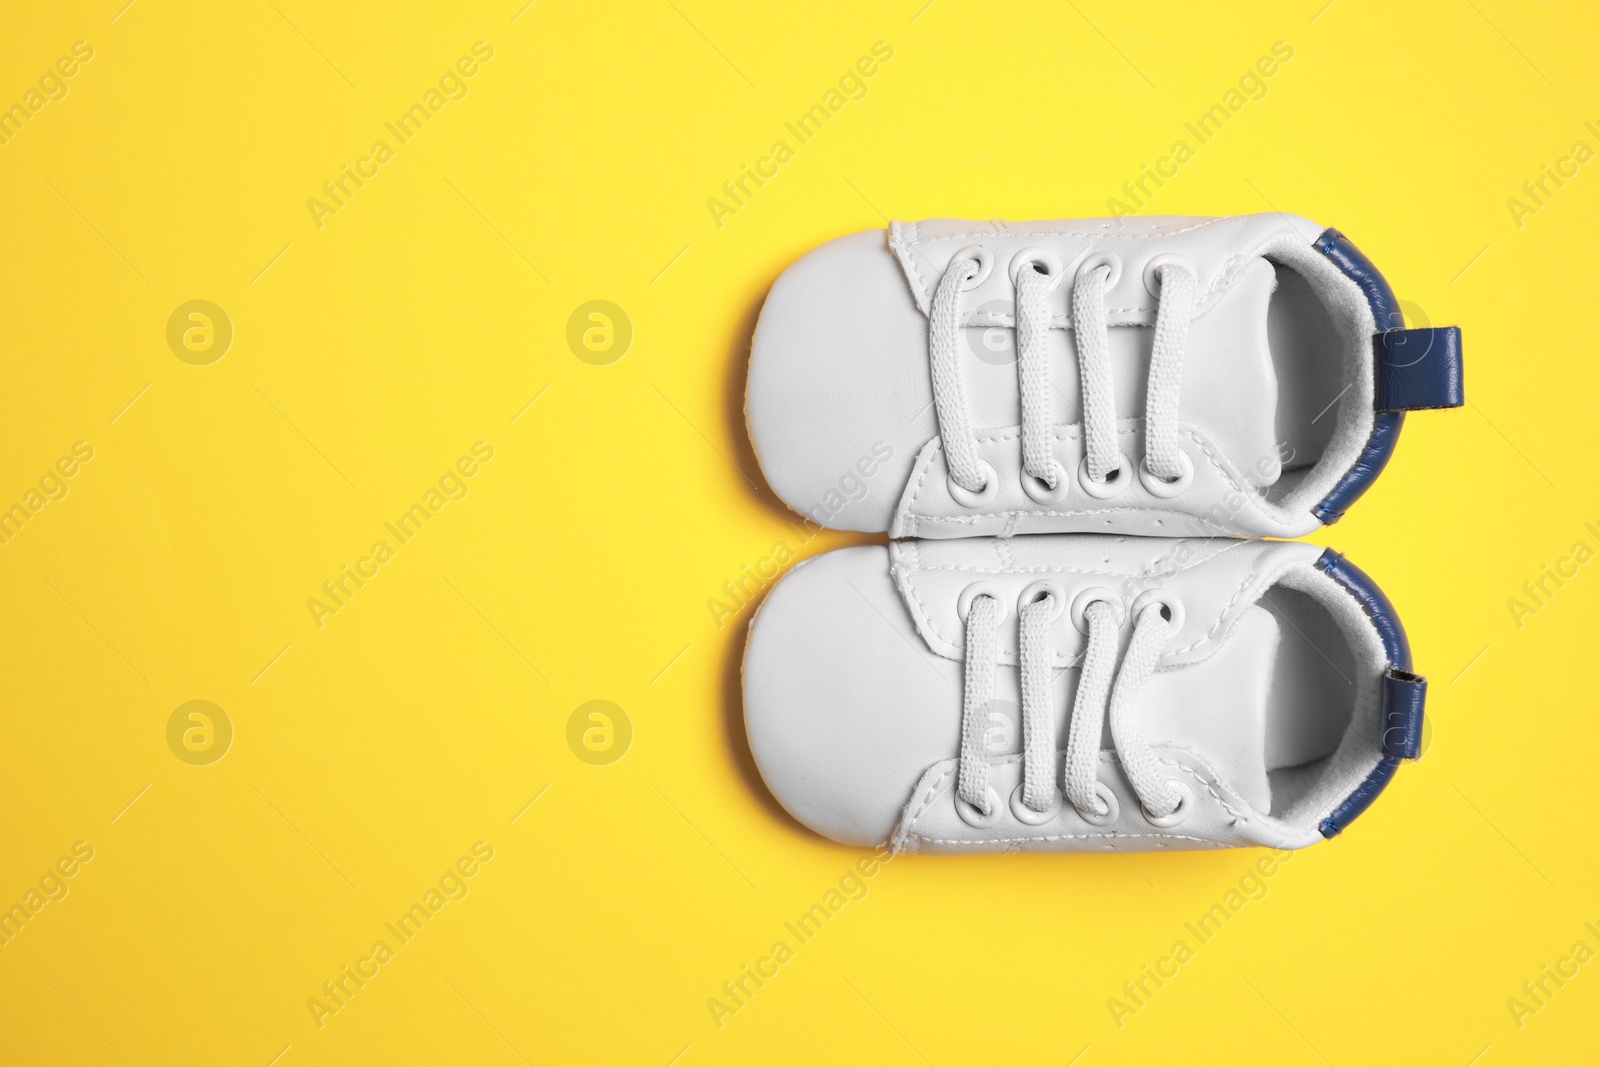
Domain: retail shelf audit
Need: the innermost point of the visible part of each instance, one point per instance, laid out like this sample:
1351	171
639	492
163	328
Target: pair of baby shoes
1075	434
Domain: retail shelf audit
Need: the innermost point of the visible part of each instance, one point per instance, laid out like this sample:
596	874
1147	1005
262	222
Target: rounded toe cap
839	383
845	706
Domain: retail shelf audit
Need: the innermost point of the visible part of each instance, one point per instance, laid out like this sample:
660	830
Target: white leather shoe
1073	693
1156	376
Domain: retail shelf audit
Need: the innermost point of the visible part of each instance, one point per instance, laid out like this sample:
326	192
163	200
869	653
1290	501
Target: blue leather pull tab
1404	694
1418	369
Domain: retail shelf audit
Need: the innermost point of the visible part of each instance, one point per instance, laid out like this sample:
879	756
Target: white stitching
1210	787
1063	837
1063	433
933	793
1156	232
1250	579
937	788
1203	300
921	610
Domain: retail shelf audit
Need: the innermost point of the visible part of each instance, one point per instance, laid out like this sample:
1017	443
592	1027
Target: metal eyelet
1106	797
1156	485
1171	605
983	497
1115	483
1045	587
1025	814
1101	259
1039	490
976	590
977	819
1152	277
1034	258
1080	605
985	260
1184	809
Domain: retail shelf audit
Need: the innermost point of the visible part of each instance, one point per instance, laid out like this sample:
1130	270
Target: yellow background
372	352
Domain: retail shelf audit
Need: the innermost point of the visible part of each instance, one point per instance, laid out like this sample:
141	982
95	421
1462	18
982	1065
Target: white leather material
1217	248
853	689
932	825
1221	712
840	365
839	362
1217	579
844	709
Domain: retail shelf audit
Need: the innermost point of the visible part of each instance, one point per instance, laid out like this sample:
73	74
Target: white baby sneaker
1155	376
1077	692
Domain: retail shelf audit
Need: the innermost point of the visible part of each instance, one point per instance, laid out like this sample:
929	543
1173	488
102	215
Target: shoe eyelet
1080	605
1040	492
985	260
1103	794
1045	587
977	819
1171	605
1036	258
1025	814
1161	487
1179	814
1152	279
1101	259
983	497
976	590
1115	484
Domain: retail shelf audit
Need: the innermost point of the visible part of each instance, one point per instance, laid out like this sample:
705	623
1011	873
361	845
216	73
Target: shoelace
1098	694
1165	469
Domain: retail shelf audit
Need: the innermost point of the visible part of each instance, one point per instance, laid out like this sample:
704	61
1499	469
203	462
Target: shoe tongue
1218	707
1230	386
1228	389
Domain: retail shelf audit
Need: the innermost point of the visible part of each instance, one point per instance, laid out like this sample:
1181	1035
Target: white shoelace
1103	462
1099	694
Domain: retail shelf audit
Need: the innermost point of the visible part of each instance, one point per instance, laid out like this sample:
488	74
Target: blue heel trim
1372	600
1386	425
1359	478
1404	693
1361	799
